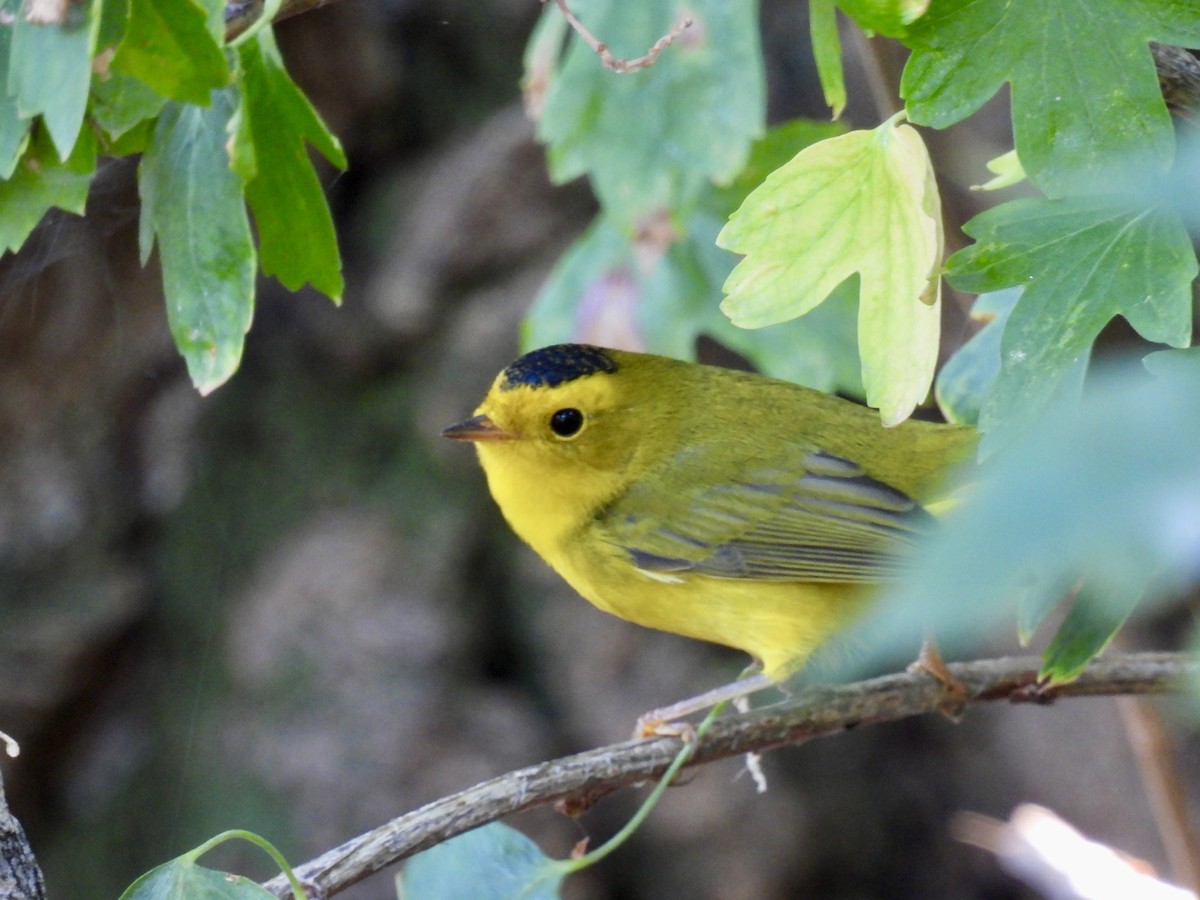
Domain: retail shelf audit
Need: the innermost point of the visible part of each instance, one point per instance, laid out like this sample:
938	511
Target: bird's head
562	402
563	421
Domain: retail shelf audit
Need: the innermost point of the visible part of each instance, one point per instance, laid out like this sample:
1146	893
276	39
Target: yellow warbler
706	502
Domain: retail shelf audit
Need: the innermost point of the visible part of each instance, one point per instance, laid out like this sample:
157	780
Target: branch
576	782
20	877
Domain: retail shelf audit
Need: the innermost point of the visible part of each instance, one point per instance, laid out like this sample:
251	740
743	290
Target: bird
708	502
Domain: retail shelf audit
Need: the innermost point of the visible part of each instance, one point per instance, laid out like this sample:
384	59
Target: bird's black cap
552	366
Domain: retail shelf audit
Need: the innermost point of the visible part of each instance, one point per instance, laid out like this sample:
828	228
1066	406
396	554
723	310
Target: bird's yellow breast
778	623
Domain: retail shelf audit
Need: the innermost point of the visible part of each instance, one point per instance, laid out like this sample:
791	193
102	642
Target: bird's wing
821	520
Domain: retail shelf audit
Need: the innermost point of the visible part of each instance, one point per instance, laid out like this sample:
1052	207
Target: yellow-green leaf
863	203
1007	171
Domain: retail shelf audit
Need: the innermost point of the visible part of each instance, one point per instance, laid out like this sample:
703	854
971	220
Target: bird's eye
566	422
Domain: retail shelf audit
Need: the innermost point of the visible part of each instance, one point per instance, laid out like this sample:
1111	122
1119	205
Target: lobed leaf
1085	97
1082	261
864	203
652	139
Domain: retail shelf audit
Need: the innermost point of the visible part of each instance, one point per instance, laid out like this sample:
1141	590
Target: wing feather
823	520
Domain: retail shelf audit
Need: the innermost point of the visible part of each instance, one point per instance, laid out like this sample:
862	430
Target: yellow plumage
710	503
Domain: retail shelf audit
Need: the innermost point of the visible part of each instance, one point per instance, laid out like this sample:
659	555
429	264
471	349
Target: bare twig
621	66
1164	785
577	781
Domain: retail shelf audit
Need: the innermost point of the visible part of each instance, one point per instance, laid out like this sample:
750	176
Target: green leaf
652	139
169	46
182	878
193	202
494	862
14	130
887	17
1086	103
861	203
1093	621
114	19
121	101
297	243
1083	261
49	71
1104	490
40	181
967	377
827	52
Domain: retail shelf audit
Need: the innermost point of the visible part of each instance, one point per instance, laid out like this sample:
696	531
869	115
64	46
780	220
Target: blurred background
290	607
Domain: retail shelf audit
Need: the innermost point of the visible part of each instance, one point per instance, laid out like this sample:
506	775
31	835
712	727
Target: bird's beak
477	428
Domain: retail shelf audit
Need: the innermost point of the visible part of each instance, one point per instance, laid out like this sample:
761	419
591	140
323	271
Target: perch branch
576	782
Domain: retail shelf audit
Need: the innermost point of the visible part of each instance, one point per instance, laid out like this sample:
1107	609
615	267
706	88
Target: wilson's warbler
711	503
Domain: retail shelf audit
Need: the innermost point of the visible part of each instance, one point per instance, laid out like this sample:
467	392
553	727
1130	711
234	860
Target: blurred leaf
50	69
182	878
652	139
114	19
967	377
193	202
135	140
1105	490
1093	621
886	17
541	59
297	242
1168	362
120	101
14	130
1083	261
494	862
169	46
1007	170
1085	96
827	52
40	181
861	203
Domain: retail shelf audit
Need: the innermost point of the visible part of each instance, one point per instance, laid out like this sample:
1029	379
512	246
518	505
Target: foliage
219	124
181	877
840	232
